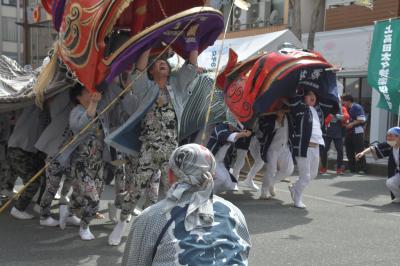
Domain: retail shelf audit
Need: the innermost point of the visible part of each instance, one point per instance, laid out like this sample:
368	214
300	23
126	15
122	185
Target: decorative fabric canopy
277	75
85	27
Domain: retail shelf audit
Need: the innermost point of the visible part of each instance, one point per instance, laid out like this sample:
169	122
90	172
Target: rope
203	137
95	119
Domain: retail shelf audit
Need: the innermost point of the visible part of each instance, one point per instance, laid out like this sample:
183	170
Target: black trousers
339	148
355	144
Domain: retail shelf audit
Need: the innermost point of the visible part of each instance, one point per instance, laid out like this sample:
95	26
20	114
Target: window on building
277	12
9	2
11	55
262	13
9	29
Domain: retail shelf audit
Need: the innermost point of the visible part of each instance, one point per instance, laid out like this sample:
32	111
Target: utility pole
18	15
27	33
26	26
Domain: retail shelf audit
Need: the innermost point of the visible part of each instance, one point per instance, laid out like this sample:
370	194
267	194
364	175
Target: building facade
343	37
9	34
346	42
40	35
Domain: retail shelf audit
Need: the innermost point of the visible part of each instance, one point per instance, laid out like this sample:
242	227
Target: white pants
393	184
308	169
239	163
254	149
222	179
279	166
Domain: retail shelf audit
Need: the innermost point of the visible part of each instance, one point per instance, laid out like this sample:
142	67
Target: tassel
44	78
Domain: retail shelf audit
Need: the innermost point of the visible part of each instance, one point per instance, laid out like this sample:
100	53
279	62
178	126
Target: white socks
64	213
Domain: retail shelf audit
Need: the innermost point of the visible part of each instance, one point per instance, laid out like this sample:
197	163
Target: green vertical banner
384	64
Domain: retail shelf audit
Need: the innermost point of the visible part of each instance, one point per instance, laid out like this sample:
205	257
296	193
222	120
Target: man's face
392	137
160	68
280	115
310	99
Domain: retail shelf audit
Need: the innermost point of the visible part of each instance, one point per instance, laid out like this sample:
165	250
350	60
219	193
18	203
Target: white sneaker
48	222
22	215
113	212
248	182
295	197
114	239
85	234
73	220
300	205
64	213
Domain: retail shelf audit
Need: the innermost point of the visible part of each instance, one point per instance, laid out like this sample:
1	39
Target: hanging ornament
36	14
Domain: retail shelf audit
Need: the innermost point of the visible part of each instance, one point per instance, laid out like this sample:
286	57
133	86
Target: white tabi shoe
114	239
21	215
295	197
49	221
248	182
73	220
85	234
300	205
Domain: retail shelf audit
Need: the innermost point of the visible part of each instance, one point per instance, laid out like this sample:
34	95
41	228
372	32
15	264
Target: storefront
349	49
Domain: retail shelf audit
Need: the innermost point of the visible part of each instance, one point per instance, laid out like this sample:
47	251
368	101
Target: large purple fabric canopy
210	24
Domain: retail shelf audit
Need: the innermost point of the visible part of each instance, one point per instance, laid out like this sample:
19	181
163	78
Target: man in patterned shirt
158	129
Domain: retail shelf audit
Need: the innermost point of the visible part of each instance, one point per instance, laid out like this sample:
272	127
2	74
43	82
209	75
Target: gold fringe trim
44	78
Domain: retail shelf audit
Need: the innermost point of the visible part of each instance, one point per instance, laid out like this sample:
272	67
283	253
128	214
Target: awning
245	47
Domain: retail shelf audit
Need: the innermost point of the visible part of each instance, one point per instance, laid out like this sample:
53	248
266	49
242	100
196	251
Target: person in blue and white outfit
191	226
221	140
391	149
354	141
275	135
308	114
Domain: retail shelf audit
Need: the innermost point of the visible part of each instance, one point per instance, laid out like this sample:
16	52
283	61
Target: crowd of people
178	182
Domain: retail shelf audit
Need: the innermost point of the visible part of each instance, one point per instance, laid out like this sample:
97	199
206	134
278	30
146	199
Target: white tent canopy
245	47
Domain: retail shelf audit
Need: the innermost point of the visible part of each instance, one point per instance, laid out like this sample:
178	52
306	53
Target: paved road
349	221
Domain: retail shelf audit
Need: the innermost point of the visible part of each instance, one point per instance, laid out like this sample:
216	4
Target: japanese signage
384	64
